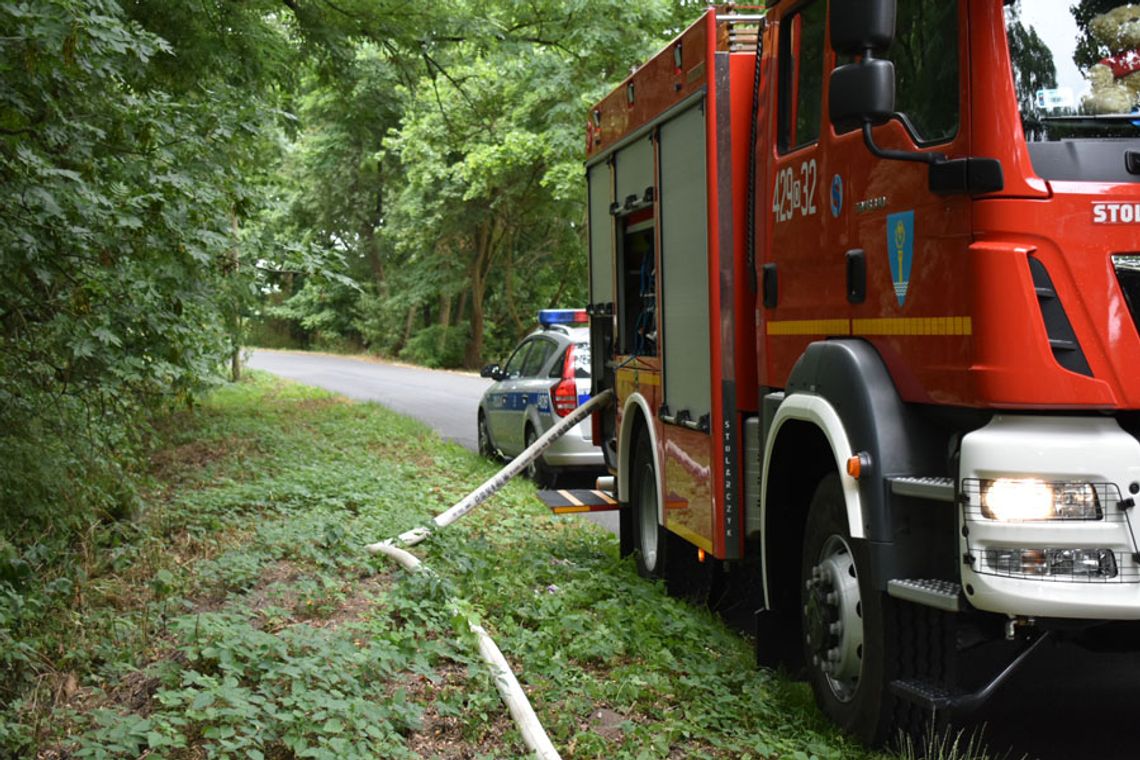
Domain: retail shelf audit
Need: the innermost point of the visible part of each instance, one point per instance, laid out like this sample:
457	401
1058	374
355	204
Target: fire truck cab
865	279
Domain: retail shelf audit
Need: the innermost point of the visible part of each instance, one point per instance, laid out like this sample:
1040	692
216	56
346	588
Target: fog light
1027	499
1018	561
1054	563
1084	563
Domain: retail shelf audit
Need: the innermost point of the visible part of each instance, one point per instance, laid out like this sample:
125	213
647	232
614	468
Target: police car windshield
1076	67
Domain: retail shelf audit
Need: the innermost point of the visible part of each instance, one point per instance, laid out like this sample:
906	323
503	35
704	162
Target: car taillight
565	394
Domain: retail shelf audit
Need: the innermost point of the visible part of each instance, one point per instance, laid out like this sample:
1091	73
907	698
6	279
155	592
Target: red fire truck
865	281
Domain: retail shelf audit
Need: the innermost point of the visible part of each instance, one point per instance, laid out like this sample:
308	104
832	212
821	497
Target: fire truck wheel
843	625
649	537
538	470
486	448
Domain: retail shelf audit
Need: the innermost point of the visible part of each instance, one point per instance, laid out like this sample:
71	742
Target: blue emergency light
548	317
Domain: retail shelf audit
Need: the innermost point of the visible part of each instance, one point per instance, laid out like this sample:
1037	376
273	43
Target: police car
545	378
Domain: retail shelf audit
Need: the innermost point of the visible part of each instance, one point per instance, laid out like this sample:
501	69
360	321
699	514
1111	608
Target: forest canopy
185	179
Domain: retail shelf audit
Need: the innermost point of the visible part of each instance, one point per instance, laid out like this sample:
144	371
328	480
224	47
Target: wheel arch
841	401
485	417
533	422
636	410
807	443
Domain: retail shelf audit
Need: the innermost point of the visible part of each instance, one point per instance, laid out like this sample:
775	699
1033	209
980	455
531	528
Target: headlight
1024	499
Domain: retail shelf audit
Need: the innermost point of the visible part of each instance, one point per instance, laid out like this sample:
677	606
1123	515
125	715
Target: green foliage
454	185
947	745
136	142
240	616
187	579
438	346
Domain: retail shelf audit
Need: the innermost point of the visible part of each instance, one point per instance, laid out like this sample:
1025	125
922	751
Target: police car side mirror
493	371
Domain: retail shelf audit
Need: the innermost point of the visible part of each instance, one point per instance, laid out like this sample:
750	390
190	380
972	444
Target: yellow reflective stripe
878	326
810	327
568	510
913	326
692	537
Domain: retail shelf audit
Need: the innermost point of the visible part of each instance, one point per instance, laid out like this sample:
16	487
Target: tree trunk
461	310
487	243
444	321
408	326
474	354
512	310
368	235
235	323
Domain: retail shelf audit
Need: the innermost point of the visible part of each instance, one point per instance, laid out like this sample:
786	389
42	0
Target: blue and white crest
836	196
900	250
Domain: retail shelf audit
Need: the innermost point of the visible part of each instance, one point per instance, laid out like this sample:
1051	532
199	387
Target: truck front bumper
1065	562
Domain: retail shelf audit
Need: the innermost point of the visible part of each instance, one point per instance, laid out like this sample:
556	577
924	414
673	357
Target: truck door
860	245
806	257
914	240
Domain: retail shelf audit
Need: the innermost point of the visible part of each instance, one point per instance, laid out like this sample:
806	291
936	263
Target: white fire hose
534	735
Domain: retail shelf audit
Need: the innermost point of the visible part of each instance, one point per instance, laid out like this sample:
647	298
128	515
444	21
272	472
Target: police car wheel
538	470
486	448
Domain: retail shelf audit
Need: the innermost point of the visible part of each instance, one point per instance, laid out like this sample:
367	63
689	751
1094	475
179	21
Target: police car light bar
548	317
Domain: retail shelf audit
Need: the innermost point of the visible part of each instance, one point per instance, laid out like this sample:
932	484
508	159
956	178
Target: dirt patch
277	590
358	601
356	606
134	692
173	464
606	723
317	404
443	736
401	453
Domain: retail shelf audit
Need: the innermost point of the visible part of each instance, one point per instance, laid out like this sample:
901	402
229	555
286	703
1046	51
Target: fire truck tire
538	470
650	540
486	447
846	653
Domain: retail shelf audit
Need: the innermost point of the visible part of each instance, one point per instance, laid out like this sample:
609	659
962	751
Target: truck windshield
1076	67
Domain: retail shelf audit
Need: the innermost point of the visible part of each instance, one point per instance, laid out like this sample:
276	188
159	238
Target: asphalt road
1067	704
446	401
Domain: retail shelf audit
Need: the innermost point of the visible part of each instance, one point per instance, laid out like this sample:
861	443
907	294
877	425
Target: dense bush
438	346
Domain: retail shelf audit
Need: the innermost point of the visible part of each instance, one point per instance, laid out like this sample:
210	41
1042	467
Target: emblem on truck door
900	250
871	204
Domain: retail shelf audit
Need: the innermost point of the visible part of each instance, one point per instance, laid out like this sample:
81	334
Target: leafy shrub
438	346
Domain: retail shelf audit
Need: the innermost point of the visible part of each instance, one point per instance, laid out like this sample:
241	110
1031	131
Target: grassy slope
241	616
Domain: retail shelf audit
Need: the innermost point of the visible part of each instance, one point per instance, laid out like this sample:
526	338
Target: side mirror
861	92
862	26
493	371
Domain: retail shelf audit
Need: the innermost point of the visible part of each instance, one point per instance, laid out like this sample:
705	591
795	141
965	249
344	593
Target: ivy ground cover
239	616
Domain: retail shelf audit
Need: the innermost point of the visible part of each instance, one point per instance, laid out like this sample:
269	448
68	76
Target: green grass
239	615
